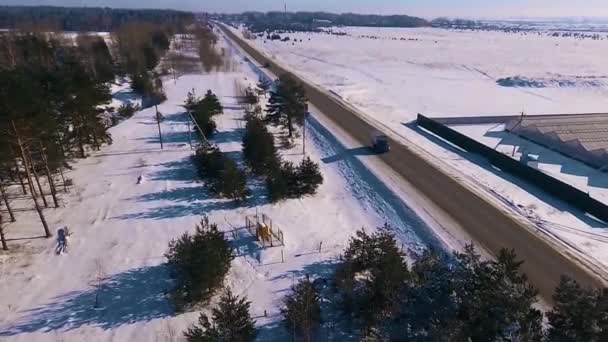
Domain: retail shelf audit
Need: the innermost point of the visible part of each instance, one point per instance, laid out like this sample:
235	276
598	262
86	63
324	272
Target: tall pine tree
287	103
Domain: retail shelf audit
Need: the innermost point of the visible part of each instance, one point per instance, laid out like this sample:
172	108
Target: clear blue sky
425	8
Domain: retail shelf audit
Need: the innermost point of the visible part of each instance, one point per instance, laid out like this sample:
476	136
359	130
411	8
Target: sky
423	8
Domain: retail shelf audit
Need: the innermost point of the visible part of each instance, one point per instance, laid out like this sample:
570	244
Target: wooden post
189	131
282	258
6	203
49	176
47	233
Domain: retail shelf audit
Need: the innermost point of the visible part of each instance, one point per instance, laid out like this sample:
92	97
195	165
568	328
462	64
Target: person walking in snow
60	241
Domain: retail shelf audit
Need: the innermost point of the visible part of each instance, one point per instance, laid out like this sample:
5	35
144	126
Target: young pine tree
302	311
281	182
309	177
232	182
579	314
287	104
212	104
371	278
200	262
231	322
428	308
495	298
258	147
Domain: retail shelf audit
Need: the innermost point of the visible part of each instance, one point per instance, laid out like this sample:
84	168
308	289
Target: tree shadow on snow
358	151
235	135
133	296
125	95
190	201
170	137
181	171
176	117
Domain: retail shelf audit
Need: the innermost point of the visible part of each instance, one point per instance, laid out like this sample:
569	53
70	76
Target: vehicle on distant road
380	143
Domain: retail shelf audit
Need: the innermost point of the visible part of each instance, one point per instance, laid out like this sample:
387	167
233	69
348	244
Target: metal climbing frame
266	233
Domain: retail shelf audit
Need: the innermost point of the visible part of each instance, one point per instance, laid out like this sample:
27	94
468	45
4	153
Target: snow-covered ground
122	228
392	74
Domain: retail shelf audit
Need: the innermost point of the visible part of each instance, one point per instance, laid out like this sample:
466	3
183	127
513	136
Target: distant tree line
443	22
310	21
86	19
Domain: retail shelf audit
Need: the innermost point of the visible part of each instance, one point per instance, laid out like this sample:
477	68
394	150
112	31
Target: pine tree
302	311
578	314
371	279
281	182
309	177
429	309
287	104
212	104
232	182
496	299
258	147
231	322
200	262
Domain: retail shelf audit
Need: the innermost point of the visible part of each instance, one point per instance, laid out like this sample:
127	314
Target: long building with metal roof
580	136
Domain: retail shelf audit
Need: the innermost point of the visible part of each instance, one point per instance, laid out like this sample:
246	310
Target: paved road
485	222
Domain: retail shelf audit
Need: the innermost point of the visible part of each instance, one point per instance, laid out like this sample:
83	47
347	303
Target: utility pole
160	134
189	131
304	130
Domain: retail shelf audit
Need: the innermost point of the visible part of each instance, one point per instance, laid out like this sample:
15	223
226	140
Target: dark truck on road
380	143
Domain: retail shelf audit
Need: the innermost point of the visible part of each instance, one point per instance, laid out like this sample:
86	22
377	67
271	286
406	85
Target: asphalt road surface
489	225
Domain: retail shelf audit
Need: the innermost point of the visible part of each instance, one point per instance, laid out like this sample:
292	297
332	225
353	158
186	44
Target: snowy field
122	228
392	74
